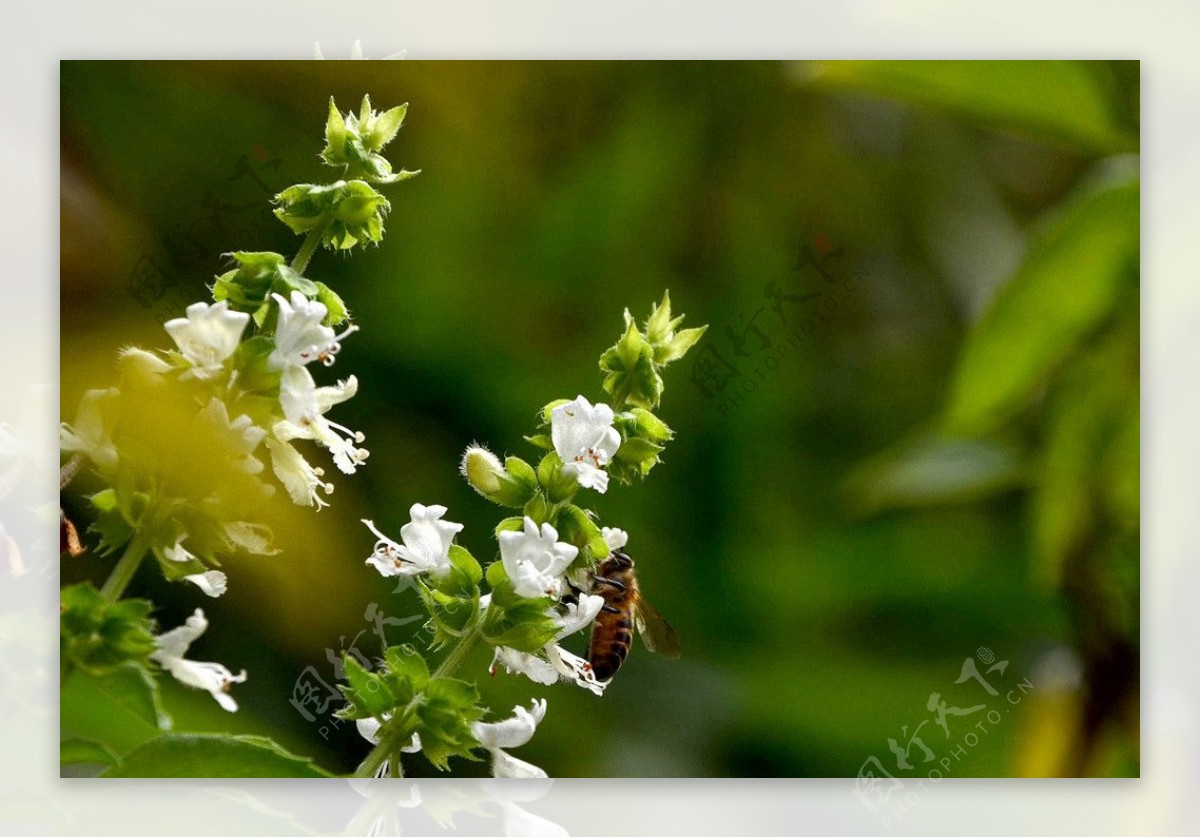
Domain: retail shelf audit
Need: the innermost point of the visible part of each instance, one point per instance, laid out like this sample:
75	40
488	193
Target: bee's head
620	560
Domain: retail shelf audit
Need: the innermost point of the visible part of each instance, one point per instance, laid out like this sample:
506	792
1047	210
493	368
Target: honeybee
624	608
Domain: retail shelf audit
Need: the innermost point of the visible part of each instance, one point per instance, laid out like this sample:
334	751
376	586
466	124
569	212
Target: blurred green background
938	456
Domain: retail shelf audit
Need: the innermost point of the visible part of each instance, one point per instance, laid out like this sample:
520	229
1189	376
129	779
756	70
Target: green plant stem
390	741
459	653
123	573
307	250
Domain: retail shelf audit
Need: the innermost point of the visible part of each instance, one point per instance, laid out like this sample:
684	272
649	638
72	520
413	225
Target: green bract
249	287
344	213
97	636
631	368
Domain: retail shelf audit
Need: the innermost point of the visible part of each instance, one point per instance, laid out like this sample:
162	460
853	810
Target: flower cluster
182	442
540	591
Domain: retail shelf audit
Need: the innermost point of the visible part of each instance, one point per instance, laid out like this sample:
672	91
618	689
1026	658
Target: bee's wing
656	632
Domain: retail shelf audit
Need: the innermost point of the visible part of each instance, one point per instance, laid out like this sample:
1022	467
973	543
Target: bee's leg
610	609
620	586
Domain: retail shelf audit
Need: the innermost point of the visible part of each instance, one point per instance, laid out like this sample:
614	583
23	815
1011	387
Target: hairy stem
458	654
307	250
123	572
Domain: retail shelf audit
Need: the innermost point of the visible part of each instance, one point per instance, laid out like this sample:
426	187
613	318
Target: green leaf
576	527
338	313
496	574
213	755
557	485
513	524
1088	411
405	663
75	751
540	441
1065	101
109	525
934	470
1069	282
367	692
446	711
119	709
464	575
547	412
448	615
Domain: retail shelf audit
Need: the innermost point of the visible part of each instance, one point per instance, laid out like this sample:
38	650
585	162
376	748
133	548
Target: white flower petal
579	615
571	667
301	480
615	539
508	766
213	583
177	552
512	732
369	729
532	667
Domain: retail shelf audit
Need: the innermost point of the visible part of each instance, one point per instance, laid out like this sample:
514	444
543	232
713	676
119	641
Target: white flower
213	582
579	615
207	336
241	433
304	405
426	547
614	538
535	562
300	336
89	435
586	441
511	733
557	663
302	480
213	677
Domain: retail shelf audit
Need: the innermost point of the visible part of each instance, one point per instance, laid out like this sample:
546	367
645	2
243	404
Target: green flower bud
512	484
630	375
354	142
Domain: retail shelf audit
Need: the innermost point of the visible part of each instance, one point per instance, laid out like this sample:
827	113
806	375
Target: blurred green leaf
1067	285
933	470
213	755
1061	100
1089	414
74	751
120	709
